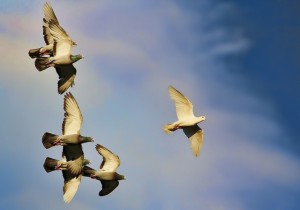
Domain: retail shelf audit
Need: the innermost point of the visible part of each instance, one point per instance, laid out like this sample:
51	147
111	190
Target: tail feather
42	63
34	53
50	164
168	128
87	171
49	140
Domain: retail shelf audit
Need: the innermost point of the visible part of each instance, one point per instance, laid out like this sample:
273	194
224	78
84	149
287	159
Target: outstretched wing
66	75
110	161
73	117
74	156
184	108
71	185
62	41
108	187
195	135
48	15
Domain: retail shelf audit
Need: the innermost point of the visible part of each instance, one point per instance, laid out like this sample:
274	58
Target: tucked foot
58	167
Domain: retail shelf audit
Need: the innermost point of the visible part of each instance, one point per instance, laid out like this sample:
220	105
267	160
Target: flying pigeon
48	48
186	120
70	127
62	48
71	182
65	72
107	174
71	141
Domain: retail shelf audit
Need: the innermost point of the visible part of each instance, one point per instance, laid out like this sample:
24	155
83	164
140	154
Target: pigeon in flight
186	120
107	174
67	71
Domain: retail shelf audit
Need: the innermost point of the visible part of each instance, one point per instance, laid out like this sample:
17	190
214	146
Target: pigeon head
86	162
119	177
75	58
84	139
201	118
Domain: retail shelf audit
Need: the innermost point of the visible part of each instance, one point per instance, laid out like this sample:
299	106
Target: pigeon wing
184	108
108	187
66	75
73	117
74	156
110	161
48	15
195	135
62	42
71	185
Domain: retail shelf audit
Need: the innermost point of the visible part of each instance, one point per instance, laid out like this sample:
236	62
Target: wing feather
66	75
71	185
184	108
62	41
195	135
48	15
108	187
74	156
110	161
73	117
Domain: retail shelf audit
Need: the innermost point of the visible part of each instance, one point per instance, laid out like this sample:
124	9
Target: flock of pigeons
57	53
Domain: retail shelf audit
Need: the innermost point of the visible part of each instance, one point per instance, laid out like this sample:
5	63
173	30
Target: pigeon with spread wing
107	174
186	120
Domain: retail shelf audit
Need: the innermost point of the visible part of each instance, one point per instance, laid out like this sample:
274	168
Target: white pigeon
186	120
107	174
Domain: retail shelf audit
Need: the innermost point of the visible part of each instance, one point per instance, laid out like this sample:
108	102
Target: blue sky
235	60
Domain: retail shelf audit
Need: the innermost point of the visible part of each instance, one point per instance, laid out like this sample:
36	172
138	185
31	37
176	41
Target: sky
235	60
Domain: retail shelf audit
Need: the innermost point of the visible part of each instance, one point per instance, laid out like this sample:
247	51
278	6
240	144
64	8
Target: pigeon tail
42	63
49	140
87	171
35	53
50	164
168	128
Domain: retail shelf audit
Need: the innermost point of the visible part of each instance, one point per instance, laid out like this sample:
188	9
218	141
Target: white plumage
186	120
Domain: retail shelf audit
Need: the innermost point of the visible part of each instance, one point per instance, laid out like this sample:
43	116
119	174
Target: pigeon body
46	62
107	174
186	120
49	140
51	164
